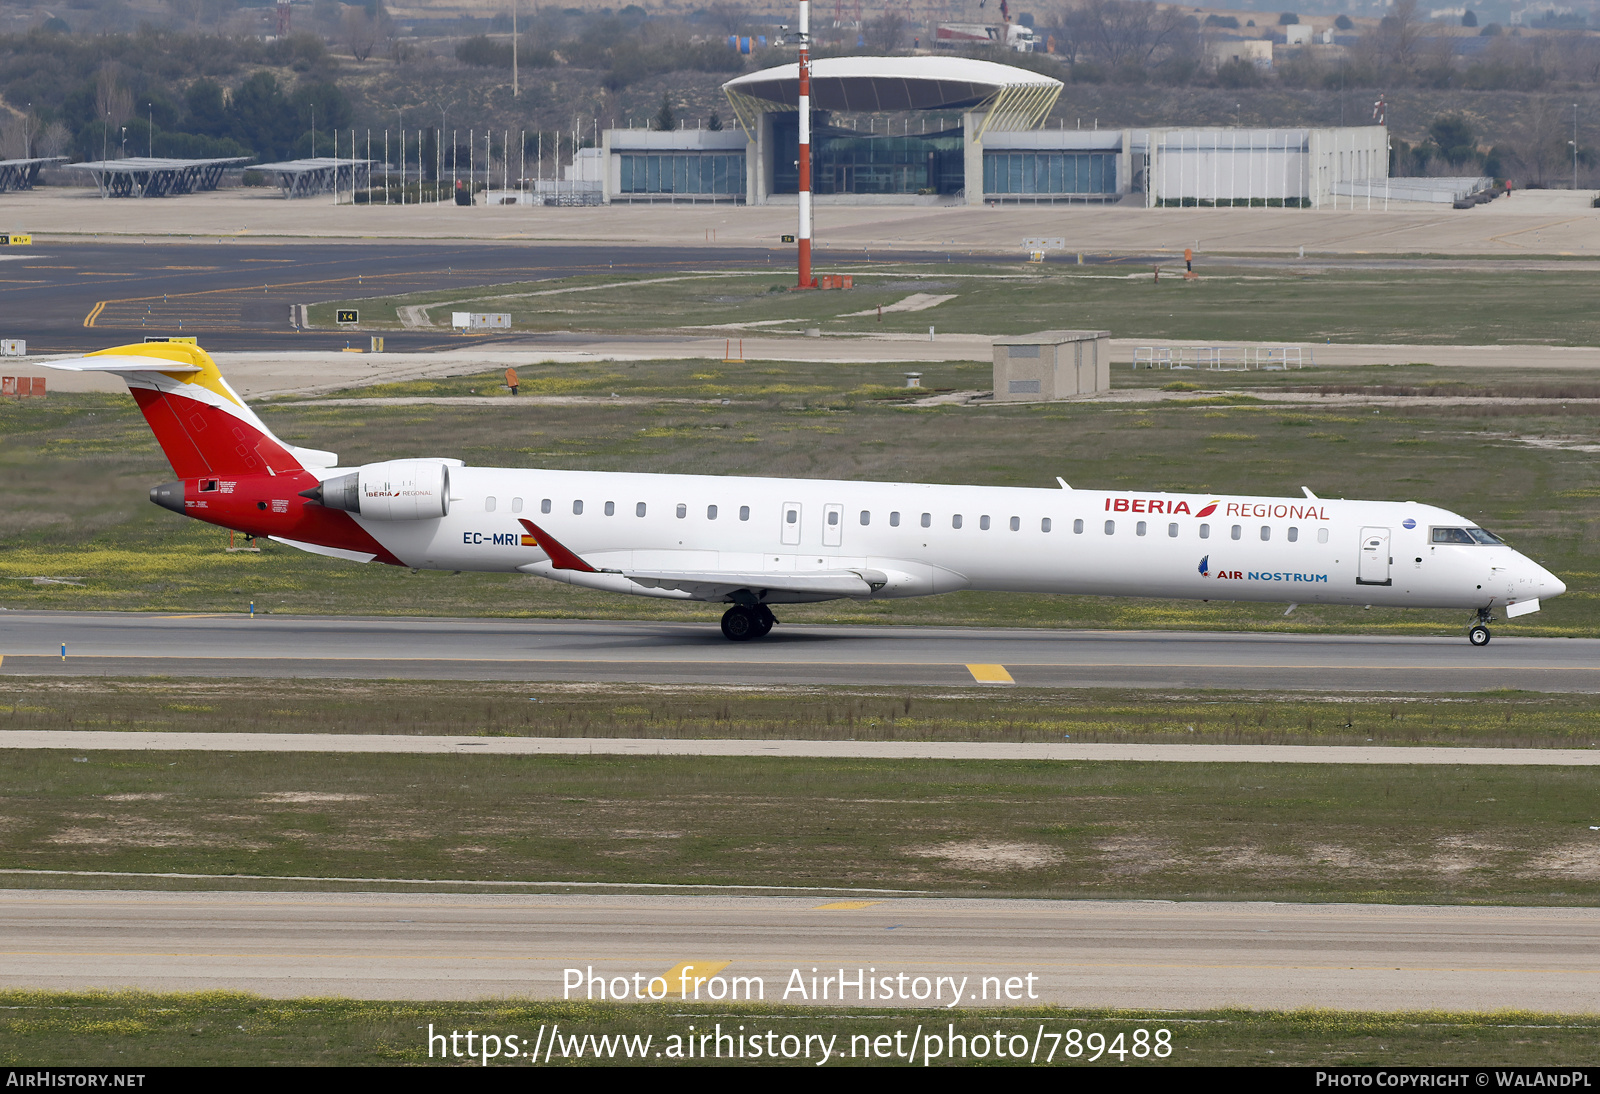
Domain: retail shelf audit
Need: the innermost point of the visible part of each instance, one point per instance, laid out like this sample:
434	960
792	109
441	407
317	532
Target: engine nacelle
395	490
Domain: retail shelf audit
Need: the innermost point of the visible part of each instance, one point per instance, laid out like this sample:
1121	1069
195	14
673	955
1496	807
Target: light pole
1574	146
124	153
438	150
150	127
313	130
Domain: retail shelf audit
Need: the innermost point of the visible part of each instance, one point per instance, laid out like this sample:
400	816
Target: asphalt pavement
221	645
1145	954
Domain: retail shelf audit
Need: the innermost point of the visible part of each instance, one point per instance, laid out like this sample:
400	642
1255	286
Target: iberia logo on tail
1211	507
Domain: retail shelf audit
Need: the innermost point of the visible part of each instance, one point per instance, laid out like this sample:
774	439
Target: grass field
1287	832
137	1029
1298	302
78	532
488	708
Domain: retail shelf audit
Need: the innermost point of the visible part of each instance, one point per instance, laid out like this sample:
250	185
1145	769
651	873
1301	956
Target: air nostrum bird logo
1205	566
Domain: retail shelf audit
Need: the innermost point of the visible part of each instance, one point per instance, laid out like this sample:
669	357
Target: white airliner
756	542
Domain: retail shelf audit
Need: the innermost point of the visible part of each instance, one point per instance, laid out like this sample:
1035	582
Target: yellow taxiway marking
990	674
690	971
845	905
94	313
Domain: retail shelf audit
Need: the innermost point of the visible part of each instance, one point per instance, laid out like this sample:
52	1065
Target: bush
1222	22
484	52
1238	73
1288	19
1344	22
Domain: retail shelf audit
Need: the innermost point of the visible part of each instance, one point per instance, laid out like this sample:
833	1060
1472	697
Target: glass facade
848	161
694	173
1049	173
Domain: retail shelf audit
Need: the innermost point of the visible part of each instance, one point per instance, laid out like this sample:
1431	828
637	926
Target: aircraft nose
1544	582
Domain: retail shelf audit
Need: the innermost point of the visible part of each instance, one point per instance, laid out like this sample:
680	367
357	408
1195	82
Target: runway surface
1082	953
113	644
396	743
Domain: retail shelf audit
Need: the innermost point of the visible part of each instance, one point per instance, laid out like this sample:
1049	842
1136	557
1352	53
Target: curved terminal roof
1013	98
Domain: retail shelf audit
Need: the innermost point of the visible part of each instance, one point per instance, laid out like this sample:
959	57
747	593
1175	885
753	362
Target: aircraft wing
716	583
709	584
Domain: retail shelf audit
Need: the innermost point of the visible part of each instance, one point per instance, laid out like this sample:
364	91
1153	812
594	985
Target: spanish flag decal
529	541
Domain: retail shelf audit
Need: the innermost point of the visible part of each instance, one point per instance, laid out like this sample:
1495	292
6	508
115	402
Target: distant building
953	131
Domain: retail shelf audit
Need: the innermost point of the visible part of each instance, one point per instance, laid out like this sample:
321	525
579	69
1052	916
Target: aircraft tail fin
201	423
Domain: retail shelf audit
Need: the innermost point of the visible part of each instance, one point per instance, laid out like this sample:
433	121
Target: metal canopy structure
138	176
22	174
1010	98
322	175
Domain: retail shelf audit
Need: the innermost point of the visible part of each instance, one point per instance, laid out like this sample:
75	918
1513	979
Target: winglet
1063	483
1309	494
560	557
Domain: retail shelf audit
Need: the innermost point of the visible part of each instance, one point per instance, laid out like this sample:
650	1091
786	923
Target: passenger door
791	522
832	525
1372	567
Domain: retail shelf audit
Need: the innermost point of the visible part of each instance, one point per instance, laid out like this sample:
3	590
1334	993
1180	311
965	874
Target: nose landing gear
741	623
1478	634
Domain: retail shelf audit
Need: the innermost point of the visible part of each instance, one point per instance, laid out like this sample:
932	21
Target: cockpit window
1465	535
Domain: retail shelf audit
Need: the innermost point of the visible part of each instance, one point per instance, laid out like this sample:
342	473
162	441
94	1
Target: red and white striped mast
806	280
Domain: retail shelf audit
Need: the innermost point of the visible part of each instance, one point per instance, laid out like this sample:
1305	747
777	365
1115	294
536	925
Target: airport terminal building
955	130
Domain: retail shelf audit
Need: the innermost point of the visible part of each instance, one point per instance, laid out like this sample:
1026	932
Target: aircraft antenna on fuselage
1063	483
1309	494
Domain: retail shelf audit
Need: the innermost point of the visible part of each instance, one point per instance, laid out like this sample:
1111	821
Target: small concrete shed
1051	364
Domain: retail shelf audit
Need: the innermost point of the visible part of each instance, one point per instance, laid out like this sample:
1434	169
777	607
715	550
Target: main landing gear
1478	635
741	623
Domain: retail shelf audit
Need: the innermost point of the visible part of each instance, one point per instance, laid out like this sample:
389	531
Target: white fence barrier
1224	358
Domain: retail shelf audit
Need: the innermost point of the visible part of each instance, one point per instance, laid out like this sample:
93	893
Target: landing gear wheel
740	624
765	620
1478	635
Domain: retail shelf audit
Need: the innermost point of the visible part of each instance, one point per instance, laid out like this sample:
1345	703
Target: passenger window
1139	529
866	518
1266	533
516	505
544	506
1294	535
744	512
833	517
1016	524
955	521
683	510
1205	531
927	520
638	510
894	520
792	516
577	508
488	504
1322	535
611	508
1111	527
1044	525
1172	531
983	524
1077	527
711	512
1237	532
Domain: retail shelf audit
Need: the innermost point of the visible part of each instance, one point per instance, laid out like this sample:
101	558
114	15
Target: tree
362	32
1452	136
1288	18
1399	33
715	122
113	103
1344	22
1123	31
886	33
665	119
1470	19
